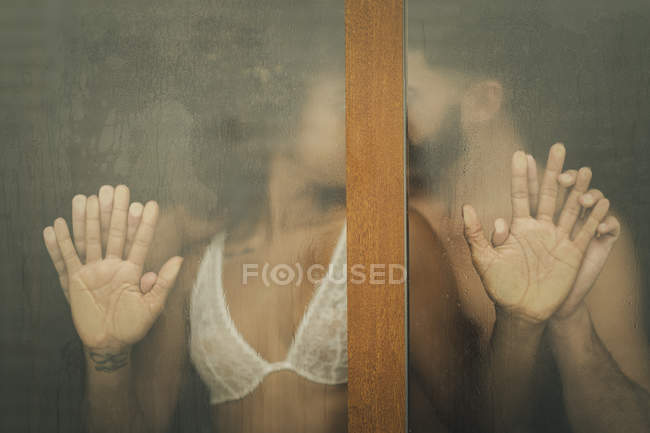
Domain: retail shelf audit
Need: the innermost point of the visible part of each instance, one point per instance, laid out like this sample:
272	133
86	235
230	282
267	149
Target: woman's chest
268	292
286	403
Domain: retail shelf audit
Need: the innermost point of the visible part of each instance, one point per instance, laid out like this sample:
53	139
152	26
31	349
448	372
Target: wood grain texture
375	213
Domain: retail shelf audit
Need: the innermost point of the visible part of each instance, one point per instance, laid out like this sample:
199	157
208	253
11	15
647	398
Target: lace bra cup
231	368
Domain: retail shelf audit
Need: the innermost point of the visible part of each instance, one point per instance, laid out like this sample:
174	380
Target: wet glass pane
207	130
528	308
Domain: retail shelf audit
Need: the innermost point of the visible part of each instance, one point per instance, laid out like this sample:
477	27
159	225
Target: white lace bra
231	368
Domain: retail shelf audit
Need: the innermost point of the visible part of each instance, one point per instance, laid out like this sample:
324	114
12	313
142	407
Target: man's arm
598	396
615	304
468	391
605	380
507	372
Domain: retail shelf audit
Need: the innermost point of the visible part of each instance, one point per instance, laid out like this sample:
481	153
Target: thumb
165	281
147	281
500	233
478	243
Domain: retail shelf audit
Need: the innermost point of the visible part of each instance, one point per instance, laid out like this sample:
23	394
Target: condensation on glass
486	80
230	116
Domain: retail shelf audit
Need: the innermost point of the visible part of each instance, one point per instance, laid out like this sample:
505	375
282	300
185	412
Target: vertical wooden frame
375	159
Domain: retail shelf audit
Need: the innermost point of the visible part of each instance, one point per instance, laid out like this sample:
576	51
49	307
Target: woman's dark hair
239	68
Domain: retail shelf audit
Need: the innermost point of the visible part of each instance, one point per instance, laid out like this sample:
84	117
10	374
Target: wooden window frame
376	213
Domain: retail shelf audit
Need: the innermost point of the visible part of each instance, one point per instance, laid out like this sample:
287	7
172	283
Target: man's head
544	72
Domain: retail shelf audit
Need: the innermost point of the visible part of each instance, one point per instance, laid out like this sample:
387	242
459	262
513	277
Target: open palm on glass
113	304
532	271
573	185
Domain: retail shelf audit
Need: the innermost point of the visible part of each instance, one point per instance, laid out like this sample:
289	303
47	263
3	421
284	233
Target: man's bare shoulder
430	272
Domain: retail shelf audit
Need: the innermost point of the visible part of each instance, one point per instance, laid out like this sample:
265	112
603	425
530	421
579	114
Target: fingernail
48	232
105	192
136	209
79	202
588	199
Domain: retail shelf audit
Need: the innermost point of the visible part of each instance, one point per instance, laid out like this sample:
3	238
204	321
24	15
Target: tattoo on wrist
109	361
